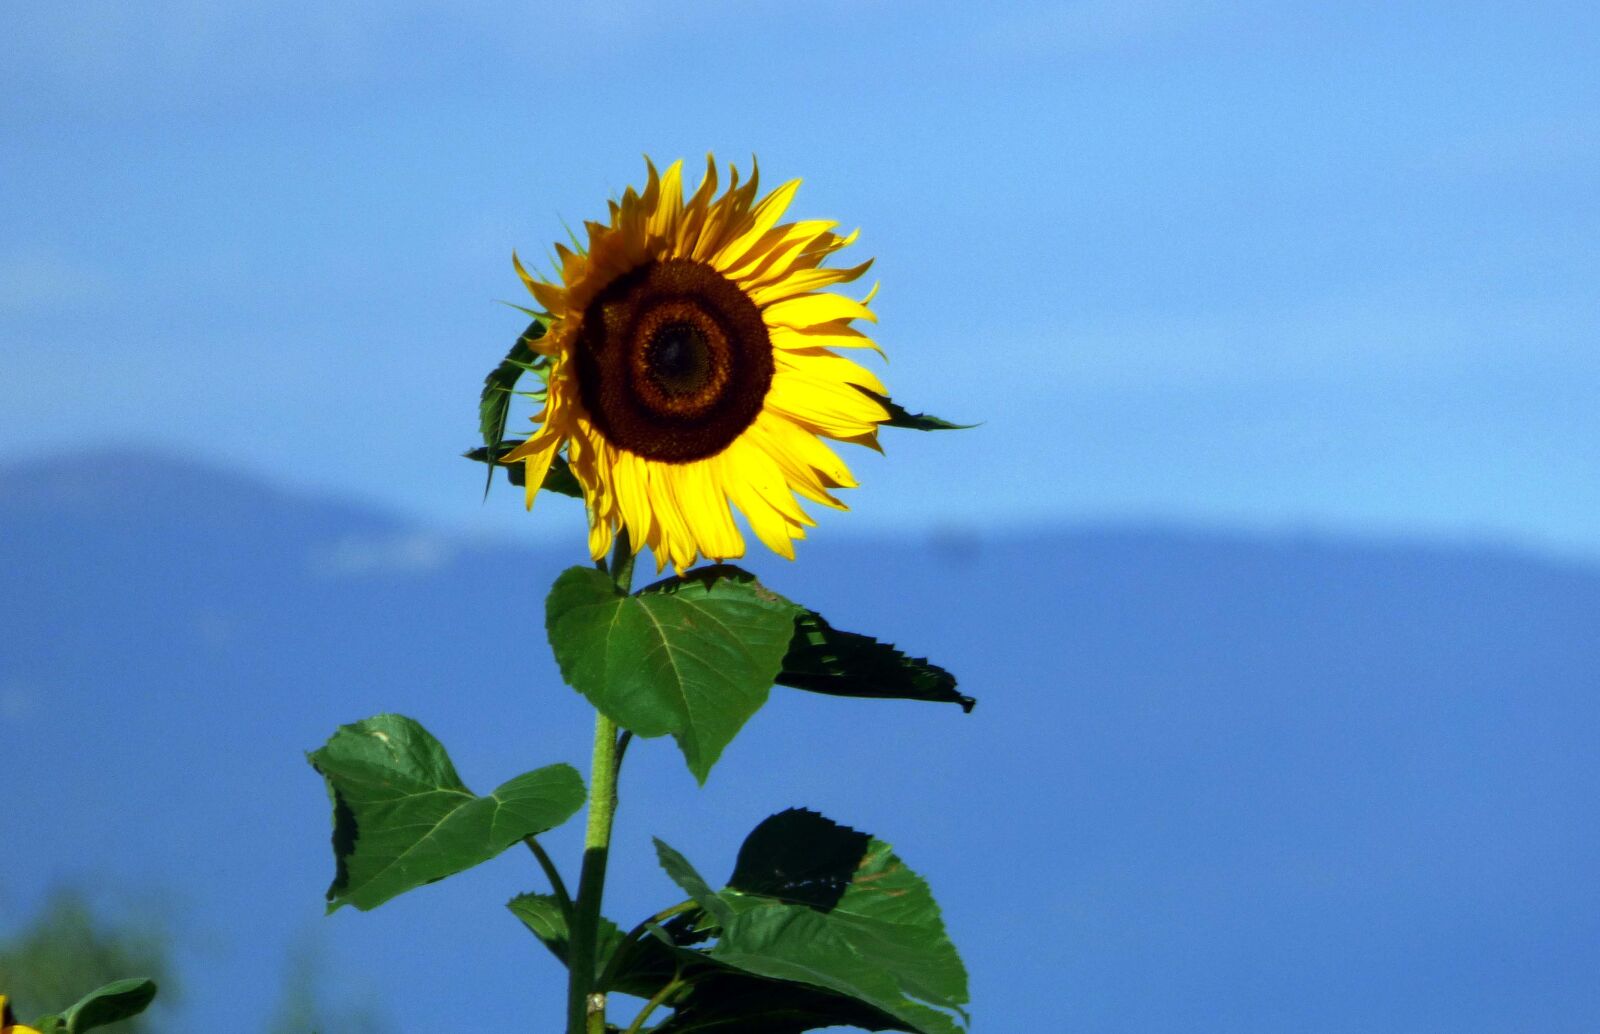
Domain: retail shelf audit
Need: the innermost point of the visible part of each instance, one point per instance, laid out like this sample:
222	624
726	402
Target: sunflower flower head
692	369
8	1022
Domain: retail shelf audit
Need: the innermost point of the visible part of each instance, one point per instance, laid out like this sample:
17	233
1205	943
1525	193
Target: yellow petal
810	466
705	510
778	251
810	450
675	537
633	496
752	466
599	538
768	524
669	206
652	186
821	363
536	455
695	211
806	280
837	334
834	408
551	297
720	219
764	218
809	310
834	242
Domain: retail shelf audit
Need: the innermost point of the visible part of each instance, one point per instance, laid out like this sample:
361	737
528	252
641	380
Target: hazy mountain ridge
1247	783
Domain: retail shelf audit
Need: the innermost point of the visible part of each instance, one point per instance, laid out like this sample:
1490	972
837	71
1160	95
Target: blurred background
1274	563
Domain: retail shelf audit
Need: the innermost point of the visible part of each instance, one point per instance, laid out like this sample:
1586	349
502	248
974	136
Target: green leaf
899	417
558	479
677	867
403	818
879	940
494	404
823	659
799	857
793	943
727	1001
694	656
542	914
112	1003
495	401
648	966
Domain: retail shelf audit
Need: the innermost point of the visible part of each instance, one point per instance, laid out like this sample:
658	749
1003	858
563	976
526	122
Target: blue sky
1248	263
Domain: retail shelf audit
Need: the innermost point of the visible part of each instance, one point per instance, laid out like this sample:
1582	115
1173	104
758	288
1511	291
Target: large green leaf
113	1003
110	1004
403	818
694	656
717	997
823	659
794	943
724	1000
881	942
799	857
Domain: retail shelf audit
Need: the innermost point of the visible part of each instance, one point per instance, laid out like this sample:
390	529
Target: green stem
586	1006
622	558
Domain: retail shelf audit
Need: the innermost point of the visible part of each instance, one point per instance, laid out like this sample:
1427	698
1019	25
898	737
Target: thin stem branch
636	934
649	1007
558	886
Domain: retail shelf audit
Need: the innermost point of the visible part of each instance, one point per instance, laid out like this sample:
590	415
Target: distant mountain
1213	782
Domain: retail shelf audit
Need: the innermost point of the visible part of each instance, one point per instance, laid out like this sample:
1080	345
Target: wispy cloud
359	556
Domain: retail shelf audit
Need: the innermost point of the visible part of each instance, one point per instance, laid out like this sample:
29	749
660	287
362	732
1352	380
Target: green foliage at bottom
68	948
820	925
117	1001
727	1001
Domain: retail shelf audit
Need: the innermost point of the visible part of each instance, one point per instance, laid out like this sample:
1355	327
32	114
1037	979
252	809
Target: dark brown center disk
674	361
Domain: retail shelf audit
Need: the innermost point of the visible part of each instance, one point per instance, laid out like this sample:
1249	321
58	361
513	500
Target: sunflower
691	369
8	1022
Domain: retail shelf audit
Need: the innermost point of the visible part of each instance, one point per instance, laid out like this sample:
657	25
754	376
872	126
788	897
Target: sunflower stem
586	1003
622	557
